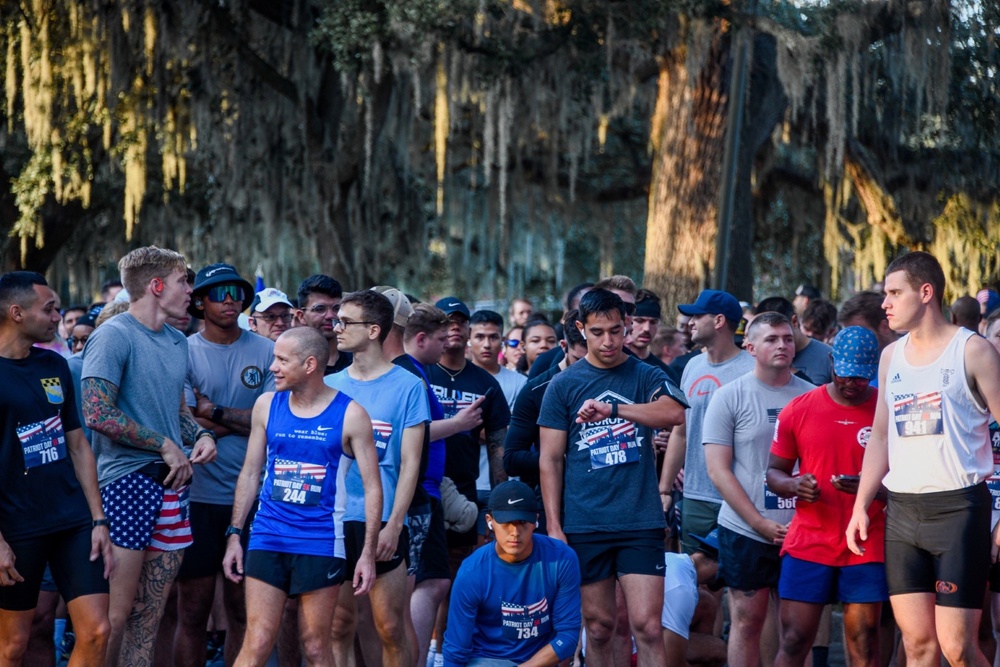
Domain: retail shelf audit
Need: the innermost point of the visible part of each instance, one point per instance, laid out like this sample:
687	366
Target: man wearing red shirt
825	431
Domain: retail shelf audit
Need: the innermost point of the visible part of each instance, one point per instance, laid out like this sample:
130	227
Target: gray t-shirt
148	368
610	482
816	361
743	415
699	382
232	376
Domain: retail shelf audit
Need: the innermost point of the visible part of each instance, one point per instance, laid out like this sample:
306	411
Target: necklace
450	374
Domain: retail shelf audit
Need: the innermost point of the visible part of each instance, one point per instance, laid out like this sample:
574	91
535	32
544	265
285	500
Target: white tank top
938	435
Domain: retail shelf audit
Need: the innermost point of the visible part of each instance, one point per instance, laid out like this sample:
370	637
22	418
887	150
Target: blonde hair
143	264
109	311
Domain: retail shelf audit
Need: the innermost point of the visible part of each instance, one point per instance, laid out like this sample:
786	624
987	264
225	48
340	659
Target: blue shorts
803	581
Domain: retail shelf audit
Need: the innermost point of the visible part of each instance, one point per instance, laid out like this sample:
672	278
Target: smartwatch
233	530
217	413
99	522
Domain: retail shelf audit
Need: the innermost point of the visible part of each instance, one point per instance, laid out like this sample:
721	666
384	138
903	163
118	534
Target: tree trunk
688	131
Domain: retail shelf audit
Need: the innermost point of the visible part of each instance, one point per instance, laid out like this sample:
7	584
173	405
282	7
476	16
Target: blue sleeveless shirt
298	495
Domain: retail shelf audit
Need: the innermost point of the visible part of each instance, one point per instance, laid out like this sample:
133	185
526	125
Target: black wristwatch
217	413
205	431
99	522
233	530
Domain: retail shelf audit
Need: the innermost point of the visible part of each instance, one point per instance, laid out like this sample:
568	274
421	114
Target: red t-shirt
828	439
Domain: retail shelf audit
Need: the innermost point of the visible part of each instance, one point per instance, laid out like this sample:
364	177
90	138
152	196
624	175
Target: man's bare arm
494	454
551	462
673	460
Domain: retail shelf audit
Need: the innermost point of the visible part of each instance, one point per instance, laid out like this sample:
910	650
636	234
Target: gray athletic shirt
148	368
232	376
610	481
699	382
816	361
744	415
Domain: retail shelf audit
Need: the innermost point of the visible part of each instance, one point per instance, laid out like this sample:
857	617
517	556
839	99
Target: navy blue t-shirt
39	491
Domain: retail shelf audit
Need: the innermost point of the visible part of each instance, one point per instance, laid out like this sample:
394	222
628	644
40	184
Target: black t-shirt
458	391
520	449
344	359
39	491
419	495
545	361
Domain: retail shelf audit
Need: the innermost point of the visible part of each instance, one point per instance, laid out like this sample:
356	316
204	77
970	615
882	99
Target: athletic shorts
994	578
814	583
940	543
208	531
295	573
67	553
698	517
354	543
746	564
606	555
429	556
144	516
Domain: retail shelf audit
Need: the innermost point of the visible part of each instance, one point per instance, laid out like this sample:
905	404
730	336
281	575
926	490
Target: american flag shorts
144	516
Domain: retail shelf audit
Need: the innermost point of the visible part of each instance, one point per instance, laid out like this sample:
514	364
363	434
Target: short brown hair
618	282
143	264
426	319
921	268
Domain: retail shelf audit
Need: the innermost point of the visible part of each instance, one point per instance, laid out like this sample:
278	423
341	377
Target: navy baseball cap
219	274
513	501
714	302
855	353
451	304
709	543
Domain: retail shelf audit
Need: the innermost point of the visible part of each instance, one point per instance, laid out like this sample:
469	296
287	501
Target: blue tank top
298	495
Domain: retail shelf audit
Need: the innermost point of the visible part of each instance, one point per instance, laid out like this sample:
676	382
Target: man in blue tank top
301	432
930	447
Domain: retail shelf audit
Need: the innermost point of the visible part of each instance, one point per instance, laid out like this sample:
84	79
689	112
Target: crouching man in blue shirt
516	601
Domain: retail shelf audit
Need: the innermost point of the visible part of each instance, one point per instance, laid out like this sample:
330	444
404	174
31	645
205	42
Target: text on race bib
43	442
297	483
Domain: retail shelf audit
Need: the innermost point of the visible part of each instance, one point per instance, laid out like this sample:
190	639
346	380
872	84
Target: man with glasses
270	313
319	301
397	403
228	369
825	432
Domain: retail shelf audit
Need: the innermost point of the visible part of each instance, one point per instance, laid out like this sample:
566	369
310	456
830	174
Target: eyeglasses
343	324
322	309
857	381
73	341
219	293
512	342
271	319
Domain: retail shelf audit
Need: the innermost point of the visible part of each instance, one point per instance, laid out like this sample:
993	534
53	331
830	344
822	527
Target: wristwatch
205	431
99	522
217	413
233	530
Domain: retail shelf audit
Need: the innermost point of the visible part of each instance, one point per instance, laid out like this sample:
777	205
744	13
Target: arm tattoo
494	453
103	416
189	427
238	420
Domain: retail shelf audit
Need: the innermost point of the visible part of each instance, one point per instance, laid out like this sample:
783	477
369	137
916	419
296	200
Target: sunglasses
512	342
219	293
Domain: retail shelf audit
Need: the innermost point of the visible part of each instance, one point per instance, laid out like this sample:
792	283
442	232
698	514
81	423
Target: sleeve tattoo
103	416
494	454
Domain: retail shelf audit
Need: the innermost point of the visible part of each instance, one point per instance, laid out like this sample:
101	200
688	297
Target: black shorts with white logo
606	555
295	573
940	543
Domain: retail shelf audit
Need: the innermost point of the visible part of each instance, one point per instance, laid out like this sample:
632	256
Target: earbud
489	524
197	302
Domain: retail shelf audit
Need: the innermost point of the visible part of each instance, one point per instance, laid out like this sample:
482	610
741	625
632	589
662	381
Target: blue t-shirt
512	610
395	401
298	495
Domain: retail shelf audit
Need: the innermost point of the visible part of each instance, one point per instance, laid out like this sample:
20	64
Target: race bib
772	501
993	484
525	622
43	442
297	483
611	443
918	414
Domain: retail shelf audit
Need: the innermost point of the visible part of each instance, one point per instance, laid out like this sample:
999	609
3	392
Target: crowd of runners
196	471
